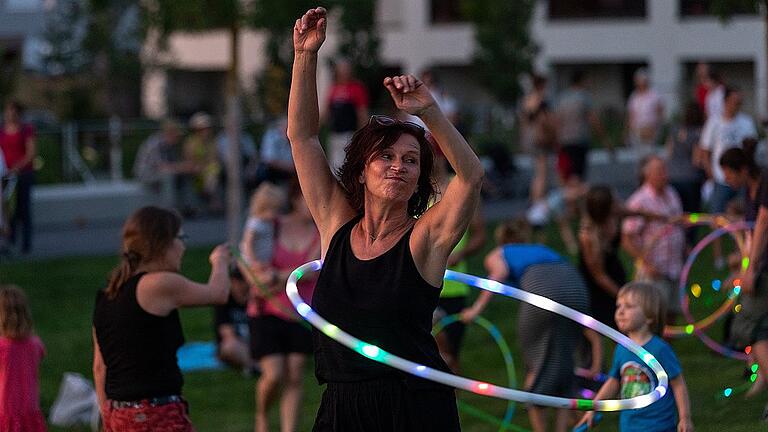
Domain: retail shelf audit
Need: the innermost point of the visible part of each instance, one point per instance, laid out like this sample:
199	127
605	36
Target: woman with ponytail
750	326
136	327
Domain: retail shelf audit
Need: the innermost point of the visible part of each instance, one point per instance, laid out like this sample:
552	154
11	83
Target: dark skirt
548	340
386	405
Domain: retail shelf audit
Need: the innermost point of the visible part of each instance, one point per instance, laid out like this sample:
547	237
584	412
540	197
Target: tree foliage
169	16
359	39
725	9
505	49
94	45
276	18
9	70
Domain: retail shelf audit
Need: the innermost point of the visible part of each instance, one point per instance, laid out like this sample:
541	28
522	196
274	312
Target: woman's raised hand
309	30
220	255
409	94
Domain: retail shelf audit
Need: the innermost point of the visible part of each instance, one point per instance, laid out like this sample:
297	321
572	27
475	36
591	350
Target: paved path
69	225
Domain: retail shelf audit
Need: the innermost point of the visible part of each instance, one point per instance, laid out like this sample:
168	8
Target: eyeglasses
183	237
382	120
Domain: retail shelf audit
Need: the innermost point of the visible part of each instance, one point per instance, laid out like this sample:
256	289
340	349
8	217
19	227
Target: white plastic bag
76	403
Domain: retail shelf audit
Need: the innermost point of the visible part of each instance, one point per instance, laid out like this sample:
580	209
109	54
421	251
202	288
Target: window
693	8
446	11
559	9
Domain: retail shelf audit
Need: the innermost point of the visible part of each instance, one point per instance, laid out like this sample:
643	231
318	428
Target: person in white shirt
645	114
727	130
730	129
714	103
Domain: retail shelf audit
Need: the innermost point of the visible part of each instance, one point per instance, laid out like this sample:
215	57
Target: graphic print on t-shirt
635	380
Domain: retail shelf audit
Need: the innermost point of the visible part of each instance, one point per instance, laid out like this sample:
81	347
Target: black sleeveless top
138	348
382	301
602	304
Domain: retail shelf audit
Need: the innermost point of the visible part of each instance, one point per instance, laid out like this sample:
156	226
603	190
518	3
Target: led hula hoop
709	238
506	353
695	220
375	353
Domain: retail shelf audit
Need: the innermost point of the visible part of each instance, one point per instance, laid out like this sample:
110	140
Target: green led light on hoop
730	229
506	353
694	220
482	388
730	391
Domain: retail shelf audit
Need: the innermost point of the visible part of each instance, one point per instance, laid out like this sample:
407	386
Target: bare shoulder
156	291
161	281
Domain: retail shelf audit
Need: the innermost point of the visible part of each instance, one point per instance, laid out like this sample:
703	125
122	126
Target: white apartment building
607	38
21	24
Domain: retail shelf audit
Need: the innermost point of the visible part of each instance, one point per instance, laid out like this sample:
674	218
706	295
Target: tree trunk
233	125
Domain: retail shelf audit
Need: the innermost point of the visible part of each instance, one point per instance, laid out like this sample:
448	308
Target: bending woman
548	340
384	255
136	327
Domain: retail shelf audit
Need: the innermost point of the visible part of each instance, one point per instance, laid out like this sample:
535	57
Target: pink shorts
171	417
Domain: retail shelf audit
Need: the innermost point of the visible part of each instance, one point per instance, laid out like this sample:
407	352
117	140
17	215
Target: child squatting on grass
640	312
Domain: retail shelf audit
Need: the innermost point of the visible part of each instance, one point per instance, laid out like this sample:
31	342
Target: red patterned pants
146	418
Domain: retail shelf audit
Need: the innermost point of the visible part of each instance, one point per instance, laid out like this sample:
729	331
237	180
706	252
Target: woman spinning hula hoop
383	267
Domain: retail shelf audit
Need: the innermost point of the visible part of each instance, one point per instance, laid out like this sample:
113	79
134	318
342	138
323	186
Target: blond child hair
266	201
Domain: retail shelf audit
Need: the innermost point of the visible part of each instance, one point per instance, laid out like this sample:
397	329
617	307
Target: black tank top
383	301
138	348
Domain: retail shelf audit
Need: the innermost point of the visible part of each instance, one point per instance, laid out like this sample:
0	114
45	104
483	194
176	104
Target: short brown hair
370	141
15	317
651	300
516	230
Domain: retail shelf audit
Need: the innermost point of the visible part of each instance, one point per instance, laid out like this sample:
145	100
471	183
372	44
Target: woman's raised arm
325	198
446	221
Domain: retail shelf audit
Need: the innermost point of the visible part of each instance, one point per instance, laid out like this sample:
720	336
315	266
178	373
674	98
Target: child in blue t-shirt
640	312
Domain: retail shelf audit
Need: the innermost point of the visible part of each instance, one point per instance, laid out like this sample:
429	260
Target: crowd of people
388	205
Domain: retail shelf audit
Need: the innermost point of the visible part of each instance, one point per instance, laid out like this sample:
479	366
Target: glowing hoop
695	220
506	353
709	238
375	353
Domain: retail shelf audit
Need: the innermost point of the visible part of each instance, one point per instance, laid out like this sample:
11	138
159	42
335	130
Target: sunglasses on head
382	120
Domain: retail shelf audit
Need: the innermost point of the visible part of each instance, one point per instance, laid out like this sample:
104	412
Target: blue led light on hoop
732	295
375	353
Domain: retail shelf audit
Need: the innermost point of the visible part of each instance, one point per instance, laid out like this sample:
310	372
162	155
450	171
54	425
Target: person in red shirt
702	85
347	111
18	144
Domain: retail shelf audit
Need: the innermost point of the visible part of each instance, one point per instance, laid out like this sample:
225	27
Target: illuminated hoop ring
482	388
695	220
709	238
506	353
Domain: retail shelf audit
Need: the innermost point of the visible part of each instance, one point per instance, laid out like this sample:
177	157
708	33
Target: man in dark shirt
231	325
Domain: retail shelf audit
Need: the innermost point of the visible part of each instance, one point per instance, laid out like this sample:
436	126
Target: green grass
62	293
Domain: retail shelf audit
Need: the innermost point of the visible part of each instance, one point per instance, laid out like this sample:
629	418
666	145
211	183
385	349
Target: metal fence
87	151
